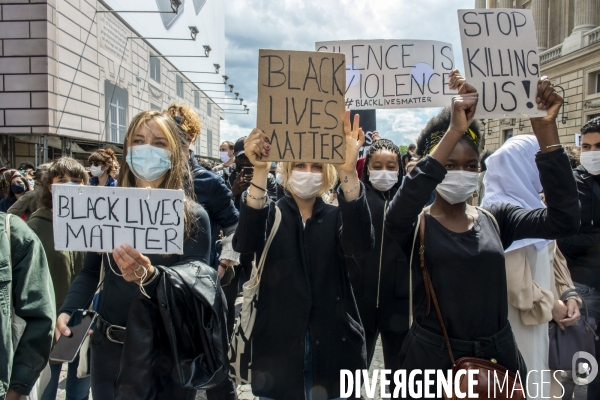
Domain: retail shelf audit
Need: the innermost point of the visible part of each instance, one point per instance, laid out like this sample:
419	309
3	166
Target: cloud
296	25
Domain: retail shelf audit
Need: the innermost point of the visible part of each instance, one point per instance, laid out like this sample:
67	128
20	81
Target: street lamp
193	32
217	66
175	4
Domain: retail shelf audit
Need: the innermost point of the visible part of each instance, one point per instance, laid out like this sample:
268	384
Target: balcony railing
551	54
592	36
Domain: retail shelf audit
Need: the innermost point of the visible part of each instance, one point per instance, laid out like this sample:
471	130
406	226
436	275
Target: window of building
209	143
592	116
208	109
197	99
115	101
507	133
597	82
155	107
154	68
179	85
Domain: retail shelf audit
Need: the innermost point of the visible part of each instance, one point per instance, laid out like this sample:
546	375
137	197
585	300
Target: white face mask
224	155
457	186
96	170
305	184
591	161
383	180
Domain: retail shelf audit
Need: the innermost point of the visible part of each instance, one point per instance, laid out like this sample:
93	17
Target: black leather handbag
575	338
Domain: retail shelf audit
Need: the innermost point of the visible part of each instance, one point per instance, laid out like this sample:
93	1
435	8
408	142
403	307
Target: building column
479	3
585	15
539	8
505	4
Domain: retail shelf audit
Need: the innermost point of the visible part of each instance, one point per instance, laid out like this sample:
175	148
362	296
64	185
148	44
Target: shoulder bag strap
263	256
489	214
429	288
410	284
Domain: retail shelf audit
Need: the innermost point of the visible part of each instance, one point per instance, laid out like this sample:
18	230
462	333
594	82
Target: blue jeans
308	371
77	389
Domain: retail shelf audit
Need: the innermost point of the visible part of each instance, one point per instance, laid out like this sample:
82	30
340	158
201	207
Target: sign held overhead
395	73
301	105
501	61
94	218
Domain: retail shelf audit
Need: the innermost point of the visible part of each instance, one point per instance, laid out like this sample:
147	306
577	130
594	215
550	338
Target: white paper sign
578	139
395	73
501	61
90	218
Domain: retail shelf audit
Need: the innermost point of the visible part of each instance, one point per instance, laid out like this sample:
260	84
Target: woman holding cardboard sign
154	157
307	325
458	253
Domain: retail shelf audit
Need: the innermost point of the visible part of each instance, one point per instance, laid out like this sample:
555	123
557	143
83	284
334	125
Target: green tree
403	148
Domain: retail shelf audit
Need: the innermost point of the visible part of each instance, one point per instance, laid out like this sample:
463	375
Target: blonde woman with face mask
307	325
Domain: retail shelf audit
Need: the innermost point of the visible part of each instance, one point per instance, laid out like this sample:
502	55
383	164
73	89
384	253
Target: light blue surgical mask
148	162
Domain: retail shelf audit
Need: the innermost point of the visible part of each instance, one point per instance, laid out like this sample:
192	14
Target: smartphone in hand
67	347
248	170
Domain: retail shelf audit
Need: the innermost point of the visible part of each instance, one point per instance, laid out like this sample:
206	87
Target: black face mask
17	188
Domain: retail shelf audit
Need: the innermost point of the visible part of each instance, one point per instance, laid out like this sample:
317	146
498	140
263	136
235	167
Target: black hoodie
582	250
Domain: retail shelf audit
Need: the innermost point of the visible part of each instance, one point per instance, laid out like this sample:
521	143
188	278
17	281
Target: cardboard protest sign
92	218
501	61
301	105
395	73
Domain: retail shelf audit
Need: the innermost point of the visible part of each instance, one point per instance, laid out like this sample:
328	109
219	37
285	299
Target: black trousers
423	349
592	300
105	365
393	330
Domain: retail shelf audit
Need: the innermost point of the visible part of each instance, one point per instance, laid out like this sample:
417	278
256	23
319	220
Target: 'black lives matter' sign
301	105
501	61
92	218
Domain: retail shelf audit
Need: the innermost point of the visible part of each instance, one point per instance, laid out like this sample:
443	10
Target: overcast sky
296	25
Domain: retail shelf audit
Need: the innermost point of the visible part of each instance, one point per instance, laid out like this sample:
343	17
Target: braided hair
381	144
436	128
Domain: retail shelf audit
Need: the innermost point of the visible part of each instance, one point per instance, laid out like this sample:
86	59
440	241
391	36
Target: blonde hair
179	176
190	121
284	169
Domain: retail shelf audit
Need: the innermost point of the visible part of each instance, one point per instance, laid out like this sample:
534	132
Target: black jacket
305	287
582	250
380	278
177	341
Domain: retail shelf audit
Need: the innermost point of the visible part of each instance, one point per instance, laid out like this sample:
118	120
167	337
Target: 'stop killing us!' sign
501	61
301	105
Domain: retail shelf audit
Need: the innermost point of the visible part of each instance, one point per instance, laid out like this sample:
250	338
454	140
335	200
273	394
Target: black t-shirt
469	278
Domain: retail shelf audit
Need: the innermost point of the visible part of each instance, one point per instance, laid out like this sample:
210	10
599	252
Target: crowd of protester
505	244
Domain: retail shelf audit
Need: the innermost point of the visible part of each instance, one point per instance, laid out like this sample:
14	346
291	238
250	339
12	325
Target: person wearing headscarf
513	178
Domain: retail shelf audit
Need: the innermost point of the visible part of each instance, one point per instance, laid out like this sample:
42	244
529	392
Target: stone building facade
71	79
568	35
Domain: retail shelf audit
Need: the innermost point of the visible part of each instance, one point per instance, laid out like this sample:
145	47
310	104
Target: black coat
582	250
176	342
380	278
305	287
